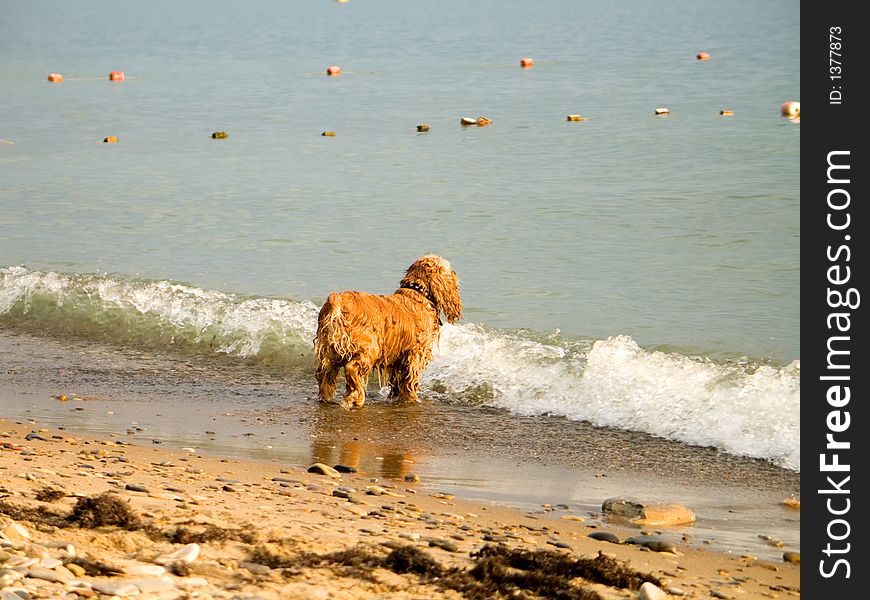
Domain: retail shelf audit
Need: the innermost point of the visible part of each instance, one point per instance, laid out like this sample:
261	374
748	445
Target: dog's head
437	277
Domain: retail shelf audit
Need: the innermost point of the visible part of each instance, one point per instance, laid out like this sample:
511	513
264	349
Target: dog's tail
333	342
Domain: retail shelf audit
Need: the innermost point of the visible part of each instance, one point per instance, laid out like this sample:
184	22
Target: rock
341	494
75	569
15	532
154	585
412	478
653	543
116	588
144	569
792	557
721	595
135	487
639	513
344	469
444	544
255	568
322	469
53	575
649	591
185	554
604	536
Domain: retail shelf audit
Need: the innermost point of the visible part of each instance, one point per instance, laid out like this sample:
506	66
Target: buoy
422	127
110	139
116	76
333	70
219	135
55	77
328	134
791	109
726	113
702	56
482	121
526	62
576	118
663	111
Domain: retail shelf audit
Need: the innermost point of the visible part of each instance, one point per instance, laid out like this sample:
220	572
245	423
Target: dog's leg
356	373
327	374
406	383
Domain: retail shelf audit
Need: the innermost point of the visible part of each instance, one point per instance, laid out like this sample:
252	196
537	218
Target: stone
322	469
653	543
185	554
646	514
135	487
792	557
53	575
604	536
649	591
144	569
344	469
16	532
116	588
75	569
154	585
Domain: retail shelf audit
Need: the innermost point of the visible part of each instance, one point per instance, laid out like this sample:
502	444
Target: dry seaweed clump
40	516
498	572
49	494
211	533
104	510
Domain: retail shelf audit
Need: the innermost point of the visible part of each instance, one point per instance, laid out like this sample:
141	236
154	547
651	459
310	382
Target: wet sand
232	410
229	528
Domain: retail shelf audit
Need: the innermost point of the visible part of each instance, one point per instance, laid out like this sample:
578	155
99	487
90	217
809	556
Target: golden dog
393	334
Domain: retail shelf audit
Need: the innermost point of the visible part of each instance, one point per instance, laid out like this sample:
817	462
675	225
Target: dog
392	334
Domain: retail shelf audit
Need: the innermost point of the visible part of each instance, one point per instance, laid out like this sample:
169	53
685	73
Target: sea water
633	271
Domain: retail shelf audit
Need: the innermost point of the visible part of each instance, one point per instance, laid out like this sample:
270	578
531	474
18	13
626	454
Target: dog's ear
444	288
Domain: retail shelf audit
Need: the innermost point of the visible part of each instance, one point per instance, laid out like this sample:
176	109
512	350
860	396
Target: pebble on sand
649	591
322	469
644	514
792	557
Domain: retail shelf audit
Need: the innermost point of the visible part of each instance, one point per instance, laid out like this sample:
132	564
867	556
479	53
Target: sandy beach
192	525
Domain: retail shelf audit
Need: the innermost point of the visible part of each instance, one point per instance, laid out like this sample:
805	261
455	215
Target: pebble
654	544
116	588
322	469
649	591
604	536
444	544
344	469
339	493
185	554
53	575
135	487
16	532
792	557
144	569
154	585
721	595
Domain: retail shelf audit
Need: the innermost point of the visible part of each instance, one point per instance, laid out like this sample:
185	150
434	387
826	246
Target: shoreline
303	513
485	455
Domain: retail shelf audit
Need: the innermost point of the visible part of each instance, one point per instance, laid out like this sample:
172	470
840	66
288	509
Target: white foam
744	410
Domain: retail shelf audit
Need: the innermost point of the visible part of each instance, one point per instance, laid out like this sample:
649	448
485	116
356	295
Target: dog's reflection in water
382	441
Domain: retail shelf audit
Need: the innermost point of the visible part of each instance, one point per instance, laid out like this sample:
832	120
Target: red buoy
702	56
333	70
526	62
55	77
116	76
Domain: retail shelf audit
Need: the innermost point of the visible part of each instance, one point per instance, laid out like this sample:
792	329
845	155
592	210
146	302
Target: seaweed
104	510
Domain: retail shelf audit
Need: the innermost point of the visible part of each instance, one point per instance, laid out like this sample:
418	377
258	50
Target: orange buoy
55	77
527	62
576	118
333	70
702	56
110	139
726	113
328	134
116	76
791	109
483	121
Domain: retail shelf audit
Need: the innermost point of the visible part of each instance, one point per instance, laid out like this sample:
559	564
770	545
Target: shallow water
482	454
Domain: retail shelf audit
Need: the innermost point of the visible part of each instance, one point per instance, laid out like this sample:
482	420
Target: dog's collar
419	289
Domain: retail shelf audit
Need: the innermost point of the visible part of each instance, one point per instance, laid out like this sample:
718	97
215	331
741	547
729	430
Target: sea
630	274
